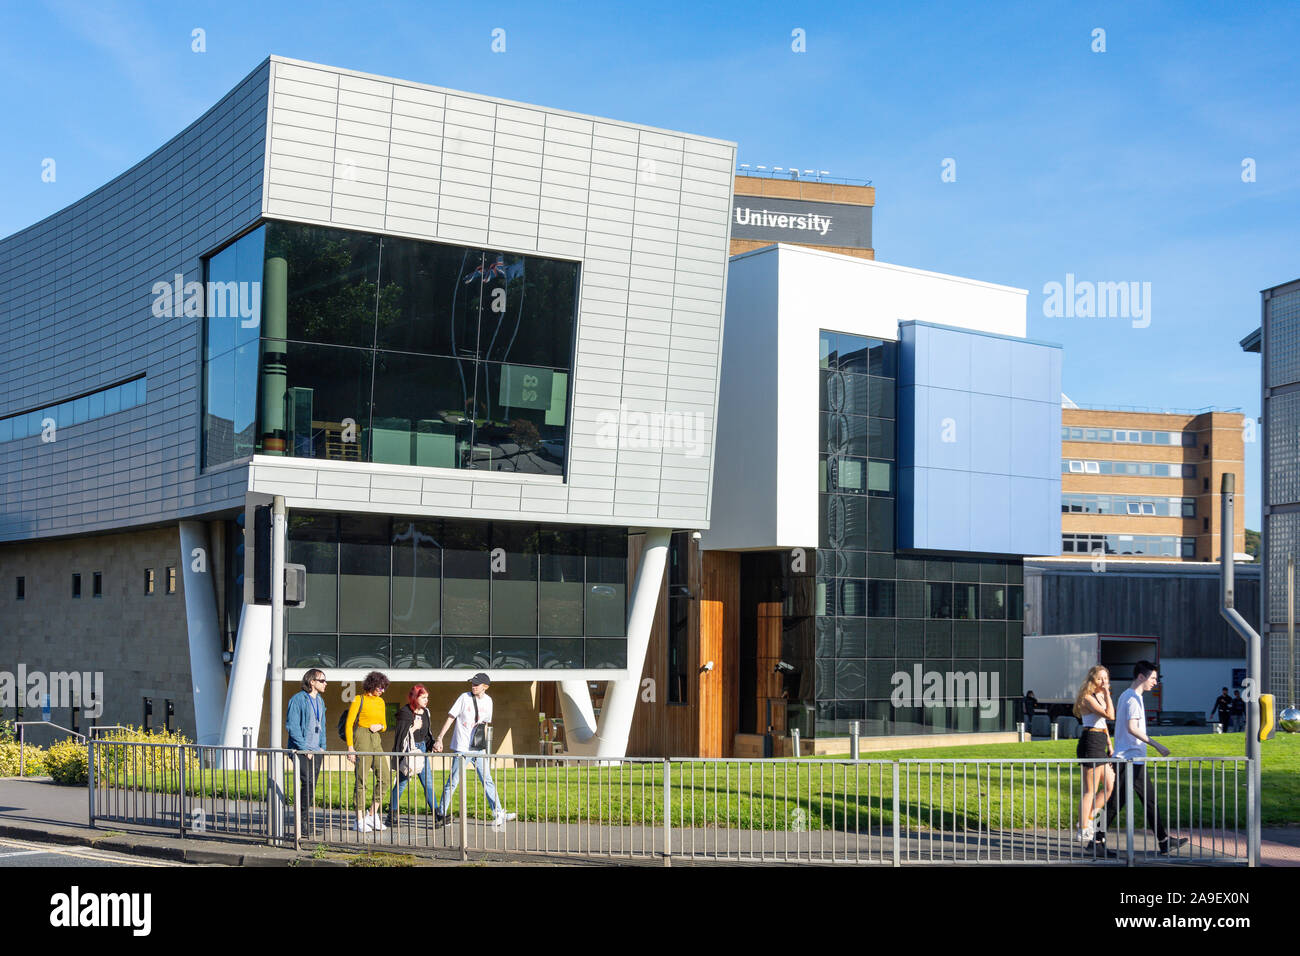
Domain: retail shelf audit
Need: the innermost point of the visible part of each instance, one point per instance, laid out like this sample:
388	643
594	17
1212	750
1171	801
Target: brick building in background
834	215
1146	484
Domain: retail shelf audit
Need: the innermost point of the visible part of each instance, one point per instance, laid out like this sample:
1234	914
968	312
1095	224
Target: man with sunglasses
305	725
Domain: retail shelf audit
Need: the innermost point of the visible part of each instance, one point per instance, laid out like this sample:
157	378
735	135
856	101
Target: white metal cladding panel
645	211
76	296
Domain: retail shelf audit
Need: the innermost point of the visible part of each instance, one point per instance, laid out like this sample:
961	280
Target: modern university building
477	348
451	332
887	454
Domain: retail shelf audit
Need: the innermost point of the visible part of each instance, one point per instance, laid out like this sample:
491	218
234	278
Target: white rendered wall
646	212
776	475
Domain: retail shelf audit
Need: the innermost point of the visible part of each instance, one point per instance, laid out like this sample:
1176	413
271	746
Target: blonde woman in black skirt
1093	706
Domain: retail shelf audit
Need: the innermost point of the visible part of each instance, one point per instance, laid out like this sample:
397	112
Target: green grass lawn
833	793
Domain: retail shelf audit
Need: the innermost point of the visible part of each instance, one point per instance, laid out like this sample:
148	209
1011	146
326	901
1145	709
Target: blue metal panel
990	433
979	436
991	363
948	505
946	431
948	356
990	513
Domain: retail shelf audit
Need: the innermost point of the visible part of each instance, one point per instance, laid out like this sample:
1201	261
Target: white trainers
362	826
1085	834
502	817
377	823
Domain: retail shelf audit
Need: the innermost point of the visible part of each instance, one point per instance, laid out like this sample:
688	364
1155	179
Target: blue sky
1117	166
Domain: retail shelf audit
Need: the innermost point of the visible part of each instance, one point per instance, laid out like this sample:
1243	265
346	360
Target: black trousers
309	765
1145	791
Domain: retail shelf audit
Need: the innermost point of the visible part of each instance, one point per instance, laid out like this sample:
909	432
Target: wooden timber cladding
705	724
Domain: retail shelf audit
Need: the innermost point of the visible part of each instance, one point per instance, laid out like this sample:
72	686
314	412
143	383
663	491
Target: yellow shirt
372	712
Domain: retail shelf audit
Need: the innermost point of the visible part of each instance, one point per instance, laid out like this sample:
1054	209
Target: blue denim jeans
426	778
484	774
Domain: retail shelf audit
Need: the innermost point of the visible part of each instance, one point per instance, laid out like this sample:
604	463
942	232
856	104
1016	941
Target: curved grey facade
76	317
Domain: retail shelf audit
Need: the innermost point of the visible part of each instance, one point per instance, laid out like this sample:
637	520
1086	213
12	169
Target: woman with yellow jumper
365	722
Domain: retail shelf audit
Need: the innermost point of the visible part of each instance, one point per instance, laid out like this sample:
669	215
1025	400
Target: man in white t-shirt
1131	742
471	708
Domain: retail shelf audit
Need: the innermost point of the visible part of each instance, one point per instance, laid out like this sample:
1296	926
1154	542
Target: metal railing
790	172
685	810
21	727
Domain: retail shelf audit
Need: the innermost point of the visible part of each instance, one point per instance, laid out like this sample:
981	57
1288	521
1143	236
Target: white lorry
1056	664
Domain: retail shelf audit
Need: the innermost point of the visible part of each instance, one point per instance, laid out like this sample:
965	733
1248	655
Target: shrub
33	756
132	761
66	762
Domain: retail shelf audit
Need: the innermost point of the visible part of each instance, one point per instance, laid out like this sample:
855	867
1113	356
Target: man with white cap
471	713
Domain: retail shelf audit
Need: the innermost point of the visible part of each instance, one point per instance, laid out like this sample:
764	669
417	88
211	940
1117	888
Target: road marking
84	853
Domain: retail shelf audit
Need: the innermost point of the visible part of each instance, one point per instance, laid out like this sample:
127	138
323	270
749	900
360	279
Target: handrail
22	735
100	728
49	723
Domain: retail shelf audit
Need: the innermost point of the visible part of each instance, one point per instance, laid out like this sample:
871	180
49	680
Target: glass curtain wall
442	593
885	622
380	349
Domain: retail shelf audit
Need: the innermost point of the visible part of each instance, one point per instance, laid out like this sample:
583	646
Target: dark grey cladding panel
75	316
801	220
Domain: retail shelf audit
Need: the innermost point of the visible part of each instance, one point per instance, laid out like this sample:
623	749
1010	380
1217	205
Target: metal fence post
1252	821
90	777
668	820
794	741
855	747
297	801
180	798
1128	810
464	810
897	840
22	732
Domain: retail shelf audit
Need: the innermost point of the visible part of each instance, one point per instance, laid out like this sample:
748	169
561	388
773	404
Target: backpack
343	724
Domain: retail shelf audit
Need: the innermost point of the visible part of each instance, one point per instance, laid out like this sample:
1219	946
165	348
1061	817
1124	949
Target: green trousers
365	740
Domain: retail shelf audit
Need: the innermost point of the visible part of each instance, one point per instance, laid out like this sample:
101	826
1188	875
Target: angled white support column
611	734
207	673
247	675
579	718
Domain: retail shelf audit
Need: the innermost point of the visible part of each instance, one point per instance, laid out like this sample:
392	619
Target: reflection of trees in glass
334	294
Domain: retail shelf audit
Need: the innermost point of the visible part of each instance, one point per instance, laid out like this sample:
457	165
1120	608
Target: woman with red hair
414	736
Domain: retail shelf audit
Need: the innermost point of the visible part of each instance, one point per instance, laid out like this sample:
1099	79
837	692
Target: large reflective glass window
465	571
332	285
313	543
433	295
559	603
417	578
514	580
363	574
422	410
325	409
528	315
520	419
606	595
